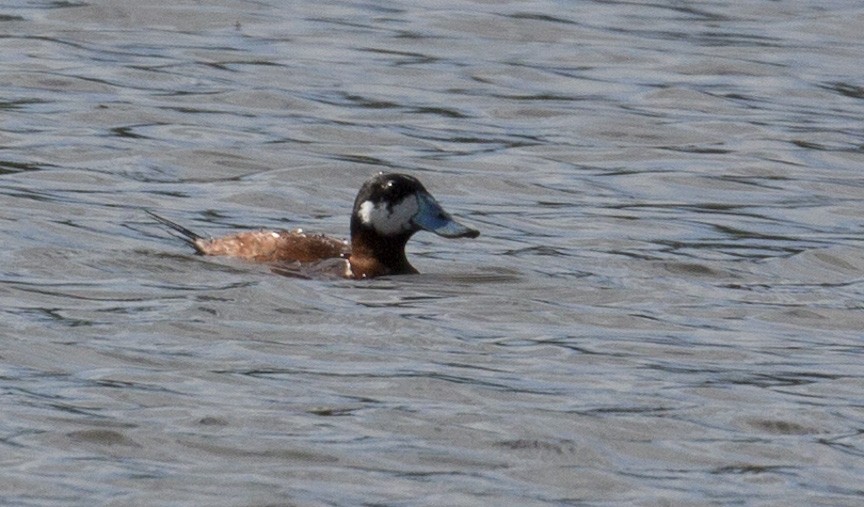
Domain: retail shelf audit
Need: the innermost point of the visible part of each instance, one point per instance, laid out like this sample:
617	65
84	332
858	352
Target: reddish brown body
274	246
369	257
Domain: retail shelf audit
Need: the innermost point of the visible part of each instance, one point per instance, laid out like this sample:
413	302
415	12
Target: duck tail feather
188	235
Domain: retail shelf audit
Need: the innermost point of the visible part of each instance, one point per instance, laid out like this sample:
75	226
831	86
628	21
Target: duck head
388	210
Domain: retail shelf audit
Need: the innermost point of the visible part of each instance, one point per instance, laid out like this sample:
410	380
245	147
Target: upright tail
188	236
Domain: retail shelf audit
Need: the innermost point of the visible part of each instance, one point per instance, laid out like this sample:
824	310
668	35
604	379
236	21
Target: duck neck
376	255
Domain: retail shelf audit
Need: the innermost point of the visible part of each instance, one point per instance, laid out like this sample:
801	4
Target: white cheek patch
391	221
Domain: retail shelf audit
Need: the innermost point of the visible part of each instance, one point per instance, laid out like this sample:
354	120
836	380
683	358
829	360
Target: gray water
664	306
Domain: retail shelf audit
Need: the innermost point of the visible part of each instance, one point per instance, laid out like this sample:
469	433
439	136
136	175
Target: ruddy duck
388	210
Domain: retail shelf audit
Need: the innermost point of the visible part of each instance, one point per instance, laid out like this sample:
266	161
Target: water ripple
664	303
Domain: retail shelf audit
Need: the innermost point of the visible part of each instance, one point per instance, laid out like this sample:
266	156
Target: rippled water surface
664	306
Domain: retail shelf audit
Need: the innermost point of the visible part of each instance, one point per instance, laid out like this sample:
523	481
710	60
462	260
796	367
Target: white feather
389	221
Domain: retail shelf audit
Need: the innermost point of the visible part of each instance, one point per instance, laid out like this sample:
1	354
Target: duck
388	210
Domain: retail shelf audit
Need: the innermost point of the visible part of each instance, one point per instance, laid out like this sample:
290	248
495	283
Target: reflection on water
664	305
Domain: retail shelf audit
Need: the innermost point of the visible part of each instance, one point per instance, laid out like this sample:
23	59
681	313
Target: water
664	306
